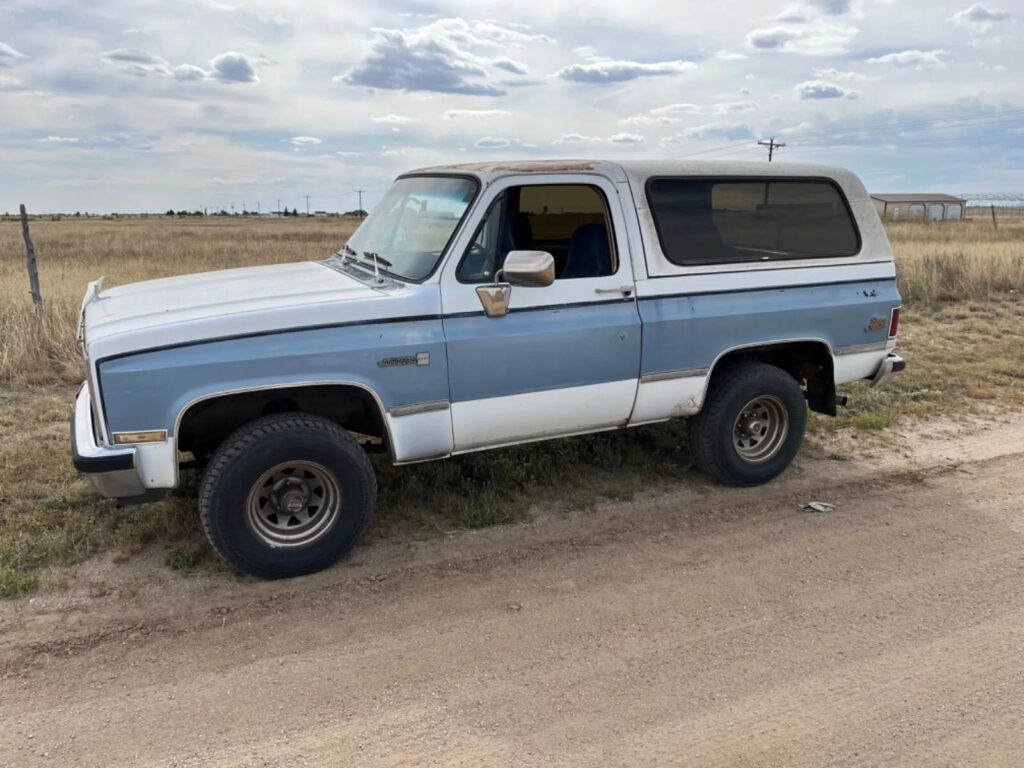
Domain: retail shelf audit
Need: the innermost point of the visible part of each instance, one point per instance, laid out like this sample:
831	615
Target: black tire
233	497
719	444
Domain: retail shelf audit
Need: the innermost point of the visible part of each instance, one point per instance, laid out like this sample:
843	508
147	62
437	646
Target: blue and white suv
487	305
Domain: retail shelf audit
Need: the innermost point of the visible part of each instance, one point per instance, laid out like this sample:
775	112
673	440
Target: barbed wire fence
1000	206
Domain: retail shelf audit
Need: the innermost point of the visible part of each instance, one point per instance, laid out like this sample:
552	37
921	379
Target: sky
134	106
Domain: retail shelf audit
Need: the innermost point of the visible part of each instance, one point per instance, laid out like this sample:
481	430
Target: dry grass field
962	334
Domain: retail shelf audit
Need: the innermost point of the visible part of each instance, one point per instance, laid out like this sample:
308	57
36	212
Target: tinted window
708	221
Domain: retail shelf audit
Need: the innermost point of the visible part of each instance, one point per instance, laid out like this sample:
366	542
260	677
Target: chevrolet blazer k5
486	305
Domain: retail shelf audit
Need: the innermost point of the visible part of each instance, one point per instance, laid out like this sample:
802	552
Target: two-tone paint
580	355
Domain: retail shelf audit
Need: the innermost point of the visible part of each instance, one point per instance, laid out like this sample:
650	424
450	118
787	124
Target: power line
360	193
876	129
772	145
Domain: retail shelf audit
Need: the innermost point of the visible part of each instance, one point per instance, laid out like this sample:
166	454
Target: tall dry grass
71	253
940	262
937	262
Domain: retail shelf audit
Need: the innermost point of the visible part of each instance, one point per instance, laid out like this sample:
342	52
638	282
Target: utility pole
257	207
360	193
307	204
279	206
772	145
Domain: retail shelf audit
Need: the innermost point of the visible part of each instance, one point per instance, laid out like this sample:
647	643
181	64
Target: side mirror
530	269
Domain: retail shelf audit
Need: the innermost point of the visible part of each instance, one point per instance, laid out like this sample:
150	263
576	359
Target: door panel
565	359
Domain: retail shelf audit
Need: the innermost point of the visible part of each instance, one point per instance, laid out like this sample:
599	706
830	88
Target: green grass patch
15	582
184	556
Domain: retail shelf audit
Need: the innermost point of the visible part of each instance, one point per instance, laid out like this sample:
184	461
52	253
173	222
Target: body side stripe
756	289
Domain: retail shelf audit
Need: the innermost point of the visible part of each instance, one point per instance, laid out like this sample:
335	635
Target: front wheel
286	495
751	425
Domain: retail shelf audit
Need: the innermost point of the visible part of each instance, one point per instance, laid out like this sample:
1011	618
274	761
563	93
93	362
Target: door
566	357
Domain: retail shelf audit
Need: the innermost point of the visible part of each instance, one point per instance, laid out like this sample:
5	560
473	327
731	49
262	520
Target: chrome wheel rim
294	504
760	429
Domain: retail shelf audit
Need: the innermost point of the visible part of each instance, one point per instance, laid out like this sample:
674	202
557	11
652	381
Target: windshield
410	228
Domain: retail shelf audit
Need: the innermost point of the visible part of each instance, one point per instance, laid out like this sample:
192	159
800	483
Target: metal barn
920	207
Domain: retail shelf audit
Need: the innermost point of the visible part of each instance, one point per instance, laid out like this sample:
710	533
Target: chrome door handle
625	290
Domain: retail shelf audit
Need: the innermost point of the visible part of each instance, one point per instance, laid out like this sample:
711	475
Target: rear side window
708	221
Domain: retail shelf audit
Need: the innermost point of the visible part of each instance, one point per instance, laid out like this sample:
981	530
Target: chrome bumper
111	470
888	370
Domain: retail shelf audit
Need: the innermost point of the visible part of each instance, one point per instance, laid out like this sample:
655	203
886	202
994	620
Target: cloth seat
590	254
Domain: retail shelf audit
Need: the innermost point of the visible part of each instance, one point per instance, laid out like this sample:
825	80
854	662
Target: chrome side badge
420	358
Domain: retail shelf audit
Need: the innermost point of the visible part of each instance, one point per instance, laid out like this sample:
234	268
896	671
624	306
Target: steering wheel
477	263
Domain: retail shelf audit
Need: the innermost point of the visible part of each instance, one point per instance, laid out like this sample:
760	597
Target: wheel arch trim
759	345
285	385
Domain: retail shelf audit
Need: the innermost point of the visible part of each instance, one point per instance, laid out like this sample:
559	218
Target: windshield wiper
377	259
346	249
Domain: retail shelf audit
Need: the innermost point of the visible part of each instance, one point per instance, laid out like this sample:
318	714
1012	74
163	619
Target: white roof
638	171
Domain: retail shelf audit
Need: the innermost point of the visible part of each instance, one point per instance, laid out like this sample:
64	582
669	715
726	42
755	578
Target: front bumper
112	470
888	370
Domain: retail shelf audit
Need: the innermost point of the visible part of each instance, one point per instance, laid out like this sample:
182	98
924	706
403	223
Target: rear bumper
112	470
888	370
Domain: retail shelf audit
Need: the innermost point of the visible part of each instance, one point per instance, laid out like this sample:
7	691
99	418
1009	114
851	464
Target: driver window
569	221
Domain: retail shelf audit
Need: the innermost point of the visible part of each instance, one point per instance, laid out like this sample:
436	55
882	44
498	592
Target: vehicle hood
193	308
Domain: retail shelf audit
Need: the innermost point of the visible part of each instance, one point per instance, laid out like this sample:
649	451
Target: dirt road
704	627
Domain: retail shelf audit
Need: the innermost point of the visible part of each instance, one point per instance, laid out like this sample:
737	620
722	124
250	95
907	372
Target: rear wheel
751	425
286	495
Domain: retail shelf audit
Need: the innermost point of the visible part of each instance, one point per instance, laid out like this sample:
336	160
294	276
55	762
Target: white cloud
305	141
617	138
574	138
979	18
9	55
670	112
393	119
492	142
831	73
510	65
186	72
132	56
771	38
648	120
917	59
137	62
441	57
610	71
815	38
821	89
343	153
234	67
58	140
724	131
833	7
474	114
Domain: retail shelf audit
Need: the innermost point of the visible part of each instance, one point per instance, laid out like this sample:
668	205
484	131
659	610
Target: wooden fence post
30	259
994	225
